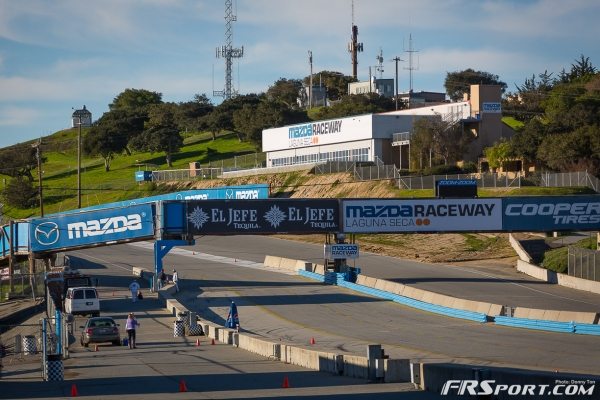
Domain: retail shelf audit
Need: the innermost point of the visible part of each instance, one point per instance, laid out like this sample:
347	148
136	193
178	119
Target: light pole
397	59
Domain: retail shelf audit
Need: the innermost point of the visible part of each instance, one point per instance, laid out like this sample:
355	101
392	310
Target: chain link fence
584	263
376	172
569	179
22	285
187	174
483	180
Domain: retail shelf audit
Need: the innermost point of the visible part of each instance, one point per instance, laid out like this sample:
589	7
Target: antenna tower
354	47
228	52
411	66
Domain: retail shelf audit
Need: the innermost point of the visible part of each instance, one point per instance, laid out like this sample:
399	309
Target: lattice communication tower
228	52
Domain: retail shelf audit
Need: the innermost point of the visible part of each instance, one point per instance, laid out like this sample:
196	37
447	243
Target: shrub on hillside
19	192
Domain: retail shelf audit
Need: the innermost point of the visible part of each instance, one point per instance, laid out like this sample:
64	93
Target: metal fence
483	180
332	167
187	174
584	263
568	179
376	172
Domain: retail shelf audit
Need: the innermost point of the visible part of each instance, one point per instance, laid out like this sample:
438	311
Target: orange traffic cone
212	341
182	387
312	340
286	382
197	342
74	391
96	348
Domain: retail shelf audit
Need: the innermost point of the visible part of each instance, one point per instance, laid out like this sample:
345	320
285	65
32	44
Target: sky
56	56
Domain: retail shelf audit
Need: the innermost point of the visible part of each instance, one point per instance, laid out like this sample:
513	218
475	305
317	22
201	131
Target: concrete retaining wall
549	276
311	359
516	245
578	283
225	336
397	370
542	274
213	332
555	315
356	367
430	297
259	346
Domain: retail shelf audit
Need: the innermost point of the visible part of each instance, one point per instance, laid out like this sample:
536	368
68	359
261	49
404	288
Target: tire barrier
178	328
195	330
54	368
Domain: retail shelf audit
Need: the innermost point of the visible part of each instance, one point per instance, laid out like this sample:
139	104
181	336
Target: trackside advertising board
543	214
229	217
424	215
242	192
90	228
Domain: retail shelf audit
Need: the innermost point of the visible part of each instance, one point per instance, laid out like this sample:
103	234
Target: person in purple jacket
130	326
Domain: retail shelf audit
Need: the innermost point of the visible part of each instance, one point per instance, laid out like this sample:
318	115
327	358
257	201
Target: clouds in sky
66	53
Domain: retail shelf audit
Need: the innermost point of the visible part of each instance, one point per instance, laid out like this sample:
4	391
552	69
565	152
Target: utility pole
79	163
38	155
310	87
354	47
396	96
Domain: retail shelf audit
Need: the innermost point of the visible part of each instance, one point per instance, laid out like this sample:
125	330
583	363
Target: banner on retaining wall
426	215
262	216
544	214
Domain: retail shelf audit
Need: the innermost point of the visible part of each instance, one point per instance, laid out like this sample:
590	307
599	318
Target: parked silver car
100	329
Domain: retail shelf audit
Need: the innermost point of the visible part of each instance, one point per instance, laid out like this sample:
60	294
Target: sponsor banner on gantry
89	228
262	216
551	213
426	215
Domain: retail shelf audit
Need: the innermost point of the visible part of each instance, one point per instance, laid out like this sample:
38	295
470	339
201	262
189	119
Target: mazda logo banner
90	228
262	216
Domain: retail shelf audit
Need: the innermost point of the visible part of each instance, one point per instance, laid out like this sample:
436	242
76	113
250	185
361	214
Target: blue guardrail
550	326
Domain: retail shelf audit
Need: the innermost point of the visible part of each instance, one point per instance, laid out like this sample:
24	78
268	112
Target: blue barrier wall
258	191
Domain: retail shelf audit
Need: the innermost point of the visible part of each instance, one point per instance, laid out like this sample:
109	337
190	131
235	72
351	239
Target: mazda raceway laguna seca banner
253	216
435	215
530	214
90	228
